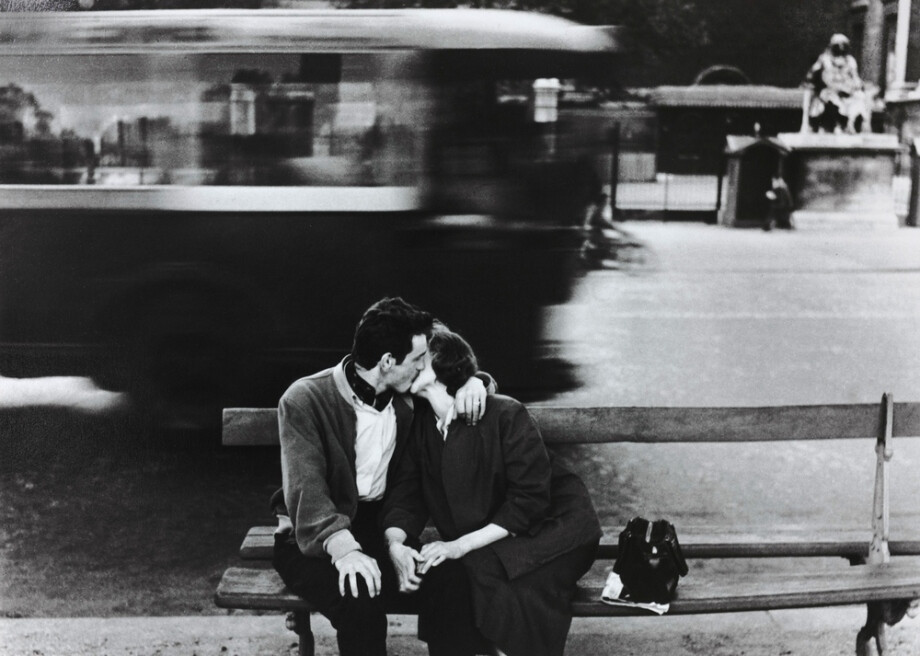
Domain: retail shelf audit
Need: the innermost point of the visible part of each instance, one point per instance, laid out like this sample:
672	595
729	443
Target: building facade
885	35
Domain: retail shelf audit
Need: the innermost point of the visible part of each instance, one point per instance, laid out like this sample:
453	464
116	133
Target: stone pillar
901	40
913	208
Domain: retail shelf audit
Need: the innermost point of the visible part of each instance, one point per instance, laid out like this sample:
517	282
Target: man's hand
470	400
355	564
435	553
405	560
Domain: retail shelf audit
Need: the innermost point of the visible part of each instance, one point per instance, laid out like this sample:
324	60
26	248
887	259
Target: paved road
750	318
743	317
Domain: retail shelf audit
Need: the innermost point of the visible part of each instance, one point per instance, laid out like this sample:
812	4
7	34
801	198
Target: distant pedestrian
779	213
599	214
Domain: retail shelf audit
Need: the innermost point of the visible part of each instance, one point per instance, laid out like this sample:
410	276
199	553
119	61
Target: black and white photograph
425	327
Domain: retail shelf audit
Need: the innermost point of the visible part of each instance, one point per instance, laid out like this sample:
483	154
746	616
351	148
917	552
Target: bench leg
879	616
299	623
874	629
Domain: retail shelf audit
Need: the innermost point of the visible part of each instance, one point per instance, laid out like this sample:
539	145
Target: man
341	430
779	211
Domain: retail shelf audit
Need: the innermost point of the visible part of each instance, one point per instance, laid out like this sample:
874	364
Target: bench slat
564	425
701	592
703	543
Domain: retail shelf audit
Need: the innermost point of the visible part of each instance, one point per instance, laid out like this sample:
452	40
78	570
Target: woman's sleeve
403	505
527	473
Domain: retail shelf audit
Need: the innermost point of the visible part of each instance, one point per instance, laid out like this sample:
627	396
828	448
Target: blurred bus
196	206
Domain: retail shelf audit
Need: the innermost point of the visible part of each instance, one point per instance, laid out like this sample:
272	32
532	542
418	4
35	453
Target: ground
94	524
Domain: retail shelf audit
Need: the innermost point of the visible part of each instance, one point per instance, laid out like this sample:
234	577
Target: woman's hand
435	553
470	400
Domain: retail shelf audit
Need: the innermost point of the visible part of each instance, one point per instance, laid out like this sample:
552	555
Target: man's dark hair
388	326
452	359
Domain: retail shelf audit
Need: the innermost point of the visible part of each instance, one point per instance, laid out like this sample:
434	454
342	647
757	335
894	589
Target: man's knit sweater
317	425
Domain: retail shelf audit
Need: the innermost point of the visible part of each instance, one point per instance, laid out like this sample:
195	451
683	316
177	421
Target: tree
658	29
771	41
20	107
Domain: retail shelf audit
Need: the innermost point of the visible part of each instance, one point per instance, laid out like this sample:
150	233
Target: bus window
281	119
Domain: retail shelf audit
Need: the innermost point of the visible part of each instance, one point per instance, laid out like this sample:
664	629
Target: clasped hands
411	565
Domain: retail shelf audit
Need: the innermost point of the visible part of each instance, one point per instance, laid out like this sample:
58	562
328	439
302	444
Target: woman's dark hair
452	358
388	326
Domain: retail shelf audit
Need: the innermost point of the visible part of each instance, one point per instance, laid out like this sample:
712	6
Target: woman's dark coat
496	472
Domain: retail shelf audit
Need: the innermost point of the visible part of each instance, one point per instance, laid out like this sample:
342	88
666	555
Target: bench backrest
577	425
566	425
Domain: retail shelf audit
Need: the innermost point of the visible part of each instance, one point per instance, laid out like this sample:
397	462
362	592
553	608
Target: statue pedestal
842	180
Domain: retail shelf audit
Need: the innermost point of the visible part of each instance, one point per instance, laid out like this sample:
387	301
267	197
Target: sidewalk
677	192
810	632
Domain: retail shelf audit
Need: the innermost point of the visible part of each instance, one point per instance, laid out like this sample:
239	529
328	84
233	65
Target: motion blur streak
61	391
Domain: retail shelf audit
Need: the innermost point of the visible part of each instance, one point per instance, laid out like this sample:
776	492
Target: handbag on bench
650	561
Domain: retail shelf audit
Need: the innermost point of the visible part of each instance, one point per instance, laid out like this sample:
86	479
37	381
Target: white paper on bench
614	594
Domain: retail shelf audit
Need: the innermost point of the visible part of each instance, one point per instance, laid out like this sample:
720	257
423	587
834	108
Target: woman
518	530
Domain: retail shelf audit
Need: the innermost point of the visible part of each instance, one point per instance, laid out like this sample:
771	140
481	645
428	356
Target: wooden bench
887	587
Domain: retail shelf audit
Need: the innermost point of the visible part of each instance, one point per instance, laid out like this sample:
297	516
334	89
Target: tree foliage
657	27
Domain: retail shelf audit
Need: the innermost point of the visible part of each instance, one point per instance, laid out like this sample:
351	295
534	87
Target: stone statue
836	99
